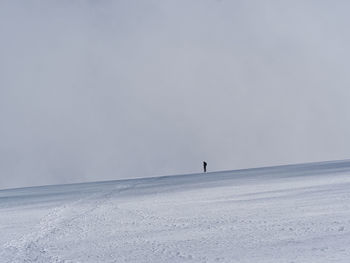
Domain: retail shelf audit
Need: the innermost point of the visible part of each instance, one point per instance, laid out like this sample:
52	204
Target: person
205	166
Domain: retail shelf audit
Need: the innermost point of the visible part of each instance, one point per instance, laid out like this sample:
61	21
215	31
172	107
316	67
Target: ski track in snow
60	220
286	214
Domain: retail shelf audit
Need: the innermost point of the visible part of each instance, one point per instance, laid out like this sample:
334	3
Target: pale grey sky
101	90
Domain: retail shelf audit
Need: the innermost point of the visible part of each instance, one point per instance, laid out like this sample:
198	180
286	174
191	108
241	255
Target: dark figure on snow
205	166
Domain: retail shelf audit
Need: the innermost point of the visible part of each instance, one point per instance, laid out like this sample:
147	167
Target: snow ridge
295	213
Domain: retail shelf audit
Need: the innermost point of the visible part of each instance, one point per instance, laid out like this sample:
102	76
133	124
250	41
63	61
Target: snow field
297	213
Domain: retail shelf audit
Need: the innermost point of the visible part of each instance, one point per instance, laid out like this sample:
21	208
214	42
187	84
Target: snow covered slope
295	213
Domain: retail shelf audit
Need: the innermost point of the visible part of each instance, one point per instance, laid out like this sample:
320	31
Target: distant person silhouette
205	166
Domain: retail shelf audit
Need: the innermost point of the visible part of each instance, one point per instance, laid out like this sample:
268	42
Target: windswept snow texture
296	213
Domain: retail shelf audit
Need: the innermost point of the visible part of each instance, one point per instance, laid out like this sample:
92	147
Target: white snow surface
294	213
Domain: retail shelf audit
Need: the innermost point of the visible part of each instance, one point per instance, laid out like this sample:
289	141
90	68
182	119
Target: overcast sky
101	90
